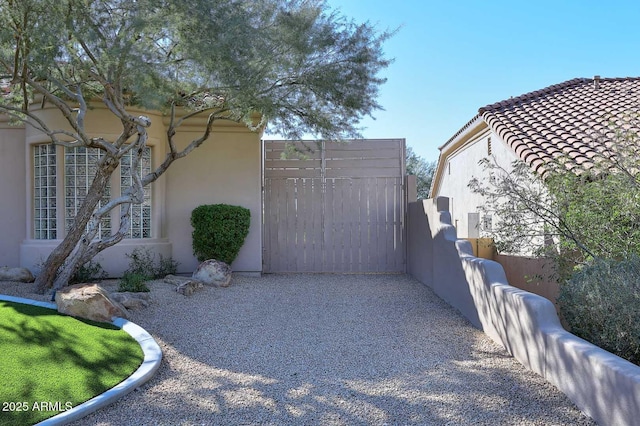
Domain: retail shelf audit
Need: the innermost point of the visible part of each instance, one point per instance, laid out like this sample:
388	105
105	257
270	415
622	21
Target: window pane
140	213
44	192
80	167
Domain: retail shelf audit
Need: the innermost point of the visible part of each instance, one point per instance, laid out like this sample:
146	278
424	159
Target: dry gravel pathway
326	349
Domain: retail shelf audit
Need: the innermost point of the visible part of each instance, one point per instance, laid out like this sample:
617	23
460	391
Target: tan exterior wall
225	169
12	189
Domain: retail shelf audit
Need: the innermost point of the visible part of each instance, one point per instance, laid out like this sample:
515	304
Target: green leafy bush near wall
219	231
134	282
601	304
143	267
142	261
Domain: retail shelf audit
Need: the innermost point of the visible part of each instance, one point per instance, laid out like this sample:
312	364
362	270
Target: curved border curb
148	368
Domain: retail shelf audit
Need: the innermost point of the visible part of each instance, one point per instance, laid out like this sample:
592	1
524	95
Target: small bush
601	304
133	282
142	261
90	271
219	231
142	268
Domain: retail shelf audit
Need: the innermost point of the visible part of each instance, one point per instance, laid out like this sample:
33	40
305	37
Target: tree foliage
293	64
586	217
422	169
590	210
601	303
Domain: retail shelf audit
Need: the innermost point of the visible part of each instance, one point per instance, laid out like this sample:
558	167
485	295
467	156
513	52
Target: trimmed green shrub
133	282
601	304
219	230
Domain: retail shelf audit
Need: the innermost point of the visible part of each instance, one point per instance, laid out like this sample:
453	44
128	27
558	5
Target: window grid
44	189
140	213
80	167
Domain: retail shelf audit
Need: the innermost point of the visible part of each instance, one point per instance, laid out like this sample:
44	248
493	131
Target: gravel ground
325	349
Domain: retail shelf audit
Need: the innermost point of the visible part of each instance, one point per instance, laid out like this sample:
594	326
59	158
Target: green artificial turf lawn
51	362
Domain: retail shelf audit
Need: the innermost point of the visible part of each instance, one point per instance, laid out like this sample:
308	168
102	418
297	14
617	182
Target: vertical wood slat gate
337	207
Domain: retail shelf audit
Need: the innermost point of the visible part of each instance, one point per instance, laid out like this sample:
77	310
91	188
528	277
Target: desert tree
294	64
422	169
586	209
582	212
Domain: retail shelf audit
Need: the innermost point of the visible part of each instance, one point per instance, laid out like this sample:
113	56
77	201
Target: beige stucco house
533	128
41	184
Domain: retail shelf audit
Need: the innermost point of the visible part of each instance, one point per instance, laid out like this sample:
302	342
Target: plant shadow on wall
585	217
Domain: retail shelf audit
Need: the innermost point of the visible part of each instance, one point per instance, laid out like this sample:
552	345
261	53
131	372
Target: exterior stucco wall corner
444	266
224	170
13	187
419	248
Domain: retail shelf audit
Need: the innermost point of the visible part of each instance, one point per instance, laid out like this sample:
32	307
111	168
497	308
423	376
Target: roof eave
462	136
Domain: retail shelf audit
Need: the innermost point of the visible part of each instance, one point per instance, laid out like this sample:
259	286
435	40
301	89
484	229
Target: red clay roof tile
560	118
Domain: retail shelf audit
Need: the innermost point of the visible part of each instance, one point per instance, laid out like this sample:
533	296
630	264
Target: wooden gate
334	207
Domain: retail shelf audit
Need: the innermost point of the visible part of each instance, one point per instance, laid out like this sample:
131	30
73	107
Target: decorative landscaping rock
131	300
184	285
89	301
214	273
16	274
188	287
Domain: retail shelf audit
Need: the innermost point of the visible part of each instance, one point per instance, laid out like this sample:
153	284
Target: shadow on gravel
330	349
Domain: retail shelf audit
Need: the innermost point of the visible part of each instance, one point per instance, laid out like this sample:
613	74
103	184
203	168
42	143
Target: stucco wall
460	167
602	385
225	169
12	188
99	123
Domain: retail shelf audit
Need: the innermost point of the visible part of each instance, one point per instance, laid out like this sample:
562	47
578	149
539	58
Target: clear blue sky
453	57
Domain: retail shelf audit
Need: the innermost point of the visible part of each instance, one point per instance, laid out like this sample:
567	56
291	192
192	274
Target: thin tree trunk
59	255
78	246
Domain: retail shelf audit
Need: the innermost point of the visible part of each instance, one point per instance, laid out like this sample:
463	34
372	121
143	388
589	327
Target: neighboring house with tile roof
562	119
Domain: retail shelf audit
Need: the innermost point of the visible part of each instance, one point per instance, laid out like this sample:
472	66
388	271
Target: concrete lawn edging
146	370
602	385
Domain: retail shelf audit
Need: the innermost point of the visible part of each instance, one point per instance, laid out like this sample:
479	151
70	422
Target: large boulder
89	301
16	274
214	273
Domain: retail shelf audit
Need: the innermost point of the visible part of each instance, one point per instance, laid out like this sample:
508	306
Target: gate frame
406	194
